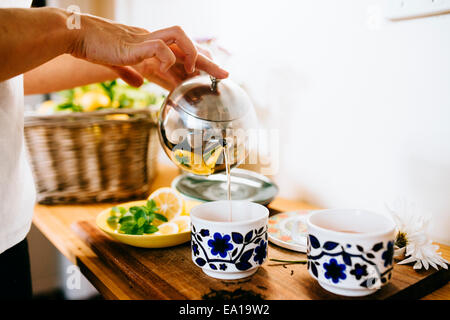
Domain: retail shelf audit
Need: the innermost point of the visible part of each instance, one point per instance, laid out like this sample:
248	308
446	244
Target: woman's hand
151	68
33	37
166	56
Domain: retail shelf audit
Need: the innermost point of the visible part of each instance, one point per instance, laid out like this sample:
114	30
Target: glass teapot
205	123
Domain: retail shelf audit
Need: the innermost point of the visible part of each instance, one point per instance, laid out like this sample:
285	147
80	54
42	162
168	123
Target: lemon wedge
93	100
117	117
46	107
213	156
183	223
188	205
169	202
167	228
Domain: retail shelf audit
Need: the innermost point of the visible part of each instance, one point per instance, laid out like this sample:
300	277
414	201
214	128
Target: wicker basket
91	157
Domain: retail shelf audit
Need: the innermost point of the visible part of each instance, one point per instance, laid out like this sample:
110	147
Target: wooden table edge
102	276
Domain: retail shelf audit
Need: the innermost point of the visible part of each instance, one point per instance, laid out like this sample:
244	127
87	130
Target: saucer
245	185
281	226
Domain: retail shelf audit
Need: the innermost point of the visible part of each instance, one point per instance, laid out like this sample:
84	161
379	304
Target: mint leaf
122	210
133	210
141	221
138	213
151	205
148	228
114	211
112	221
138	230
137	220
161	217
126	219
127	227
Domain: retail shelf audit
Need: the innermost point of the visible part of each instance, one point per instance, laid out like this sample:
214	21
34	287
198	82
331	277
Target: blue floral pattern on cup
388	254
220	245
260	252
340	261
220	251
334	270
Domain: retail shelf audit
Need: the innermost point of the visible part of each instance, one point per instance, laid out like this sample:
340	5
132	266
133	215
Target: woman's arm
32	37
65	72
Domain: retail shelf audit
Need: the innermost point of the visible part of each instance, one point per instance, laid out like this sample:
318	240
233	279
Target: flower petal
418	265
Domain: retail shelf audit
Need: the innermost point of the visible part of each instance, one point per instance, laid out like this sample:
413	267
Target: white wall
362	104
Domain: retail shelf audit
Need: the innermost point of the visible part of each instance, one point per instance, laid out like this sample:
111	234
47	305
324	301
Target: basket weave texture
92	157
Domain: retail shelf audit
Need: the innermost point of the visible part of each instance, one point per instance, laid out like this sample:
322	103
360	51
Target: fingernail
223	73
190	69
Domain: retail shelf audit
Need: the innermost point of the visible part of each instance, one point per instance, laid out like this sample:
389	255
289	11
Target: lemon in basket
93	100
46	107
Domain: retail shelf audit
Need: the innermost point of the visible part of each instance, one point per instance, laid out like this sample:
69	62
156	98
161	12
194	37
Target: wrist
68	28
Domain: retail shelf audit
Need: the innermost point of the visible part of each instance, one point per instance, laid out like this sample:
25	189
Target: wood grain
171	274
55	223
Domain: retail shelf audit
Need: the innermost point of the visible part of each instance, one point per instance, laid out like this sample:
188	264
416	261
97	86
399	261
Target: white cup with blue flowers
229	238
350	252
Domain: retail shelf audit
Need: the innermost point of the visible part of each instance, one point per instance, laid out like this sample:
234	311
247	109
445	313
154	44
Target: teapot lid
209	99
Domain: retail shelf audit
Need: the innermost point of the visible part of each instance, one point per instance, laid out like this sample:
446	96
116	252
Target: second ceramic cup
350	251
227	249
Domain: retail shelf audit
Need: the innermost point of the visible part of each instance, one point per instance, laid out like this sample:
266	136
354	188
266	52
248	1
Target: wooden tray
171	274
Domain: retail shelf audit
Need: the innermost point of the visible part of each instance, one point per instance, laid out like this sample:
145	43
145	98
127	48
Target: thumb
129	75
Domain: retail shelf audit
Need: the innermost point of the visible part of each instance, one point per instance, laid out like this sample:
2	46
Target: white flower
413	226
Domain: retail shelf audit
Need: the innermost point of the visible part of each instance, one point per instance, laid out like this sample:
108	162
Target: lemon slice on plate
169	202
183	222
167	228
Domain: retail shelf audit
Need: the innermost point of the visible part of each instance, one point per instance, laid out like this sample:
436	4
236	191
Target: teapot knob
214	82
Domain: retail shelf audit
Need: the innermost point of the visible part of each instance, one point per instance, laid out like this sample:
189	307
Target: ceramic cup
229	250
350	251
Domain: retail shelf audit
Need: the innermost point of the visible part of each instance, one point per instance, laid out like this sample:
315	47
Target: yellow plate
142	241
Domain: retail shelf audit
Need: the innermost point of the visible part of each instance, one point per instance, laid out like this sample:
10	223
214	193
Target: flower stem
290	261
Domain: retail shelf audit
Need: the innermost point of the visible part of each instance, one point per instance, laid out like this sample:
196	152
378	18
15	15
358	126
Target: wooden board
171	274
56	221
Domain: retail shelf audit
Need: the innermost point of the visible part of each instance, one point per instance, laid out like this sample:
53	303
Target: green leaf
125	219
148	228
183	160
139	213
141	221
122	210
151	205
133	210
161	217
108	87
112	221
151	217
69	106
114	211
127	227
138	230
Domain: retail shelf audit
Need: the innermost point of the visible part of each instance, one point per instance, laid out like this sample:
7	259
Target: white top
17	191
